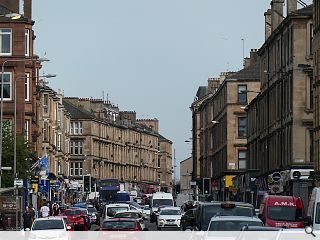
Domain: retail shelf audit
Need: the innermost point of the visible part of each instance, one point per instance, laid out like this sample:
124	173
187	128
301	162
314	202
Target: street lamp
1	105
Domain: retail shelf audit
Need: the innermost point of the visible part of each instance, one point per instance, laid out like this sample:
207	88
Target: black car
93	215
188	220
206	210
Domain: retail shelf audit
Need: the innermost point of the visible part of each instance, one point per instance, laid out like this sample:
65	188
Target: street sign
276	176
18	182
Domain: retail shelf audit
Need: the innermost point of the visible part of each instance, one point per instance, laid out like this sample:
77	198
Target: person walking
27	219
3	221
45	211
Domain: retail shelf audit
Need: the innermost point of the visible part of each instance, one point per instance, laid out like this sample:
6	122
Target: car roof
50	218
121	219
170	208
228	202
235	218
118	205
129	211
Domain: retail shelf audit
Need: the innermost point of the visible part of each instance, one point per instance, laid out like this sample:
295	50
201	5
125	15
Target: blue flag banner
44	167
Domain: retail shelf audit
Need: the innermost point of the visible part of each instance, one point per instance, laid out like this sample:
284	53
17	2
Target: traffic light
86	183
206	185
177	188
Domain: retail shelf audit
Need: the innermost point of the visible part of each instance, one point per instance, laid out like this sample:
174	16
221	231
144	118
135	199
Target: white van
159	199
111	209
314	208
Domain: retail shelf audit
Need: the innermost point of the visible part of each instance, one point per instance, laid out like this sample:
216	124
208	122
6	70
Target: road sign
18	182
276	176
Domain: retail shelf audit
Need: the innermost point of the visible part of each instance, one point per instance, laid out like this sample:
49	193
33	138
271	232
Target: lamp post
1	105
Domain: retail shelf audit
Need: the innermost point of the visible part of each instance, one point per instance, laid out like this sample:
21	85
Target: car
146	212
111	209
169	217
232	223
93	215
131	214
187	220
121	224
206	210
49	223
78	217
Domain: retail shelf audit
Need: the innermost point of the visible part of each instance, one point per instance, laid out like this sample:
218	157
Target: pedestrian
3	221
55	209
27	219
32	212
45	211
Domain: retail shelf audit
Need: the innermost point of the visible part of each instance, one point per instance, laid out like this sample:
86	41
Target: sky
146	56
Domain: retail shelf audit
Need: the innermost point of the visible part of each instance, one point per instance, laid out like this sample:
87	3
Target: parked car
206	210
121	224
169	217
188	219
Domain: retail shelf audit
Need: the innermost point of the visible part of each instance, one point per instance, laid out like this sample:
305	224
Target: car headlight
161	221
178	221
93	215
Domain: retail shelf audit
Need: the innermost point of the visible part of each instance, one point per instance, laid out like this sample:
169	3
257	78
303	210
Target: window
76	147
26	130
45	103
5	41
76	168
7	85
59	141
26	42
242	127
159	162
26	87
45	131
242	94
242	158
76	128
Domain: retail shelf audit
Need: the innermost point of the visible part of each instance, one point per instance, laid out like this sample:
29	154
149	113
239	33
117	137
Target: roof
50	218
174	208
121	219
251	72
76	112
202	91
308	10
217	202
118	205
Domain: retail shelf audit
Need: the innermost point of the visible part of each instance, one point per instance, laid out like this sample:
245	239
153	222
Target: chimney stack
291	6
276	13
267	24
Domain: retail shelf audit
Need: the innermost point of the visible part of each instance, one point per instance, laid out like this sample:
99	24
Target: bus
108	188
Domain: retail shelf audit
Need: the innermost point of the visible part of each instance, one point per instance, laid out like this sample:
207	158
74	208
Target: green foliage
24	155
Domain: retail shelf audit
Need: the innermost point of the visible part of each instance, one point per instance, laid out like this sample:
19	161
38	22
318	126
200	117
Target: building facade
186	175
280	131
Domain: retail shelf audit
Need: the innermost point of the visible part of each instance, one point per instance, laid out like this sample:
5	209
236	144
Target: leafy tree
24	155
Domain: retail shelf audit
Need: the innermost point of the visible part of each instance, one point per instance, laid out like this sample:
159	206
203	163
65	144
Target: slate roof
202	92
251	72
76	112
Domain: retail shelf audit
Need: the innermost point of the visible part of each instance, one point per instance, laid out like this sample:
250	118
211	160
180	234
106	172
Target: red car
77	218
121	224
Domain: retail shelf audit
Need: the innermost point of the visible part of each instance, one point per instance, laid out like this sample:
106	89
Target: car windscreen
170	212
237	210
285	213
48	224
113	210
92	210
127	215
162	202
110	225
232	225
73	213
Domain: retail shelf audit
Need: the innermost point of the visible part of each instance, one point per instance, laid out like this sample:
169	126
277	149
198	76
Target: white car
169	217
111	209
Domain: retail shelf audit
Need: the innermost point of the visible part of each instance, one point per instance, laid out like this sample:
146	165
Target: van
314	209
111	209
282	211
159	199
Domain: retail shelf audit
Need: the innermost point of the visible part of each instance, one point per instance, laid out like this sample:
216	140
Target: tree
24	155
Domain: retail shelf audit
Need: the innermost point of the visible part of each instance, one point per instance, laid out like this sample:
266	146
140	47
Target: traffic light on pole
206	185
86	183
